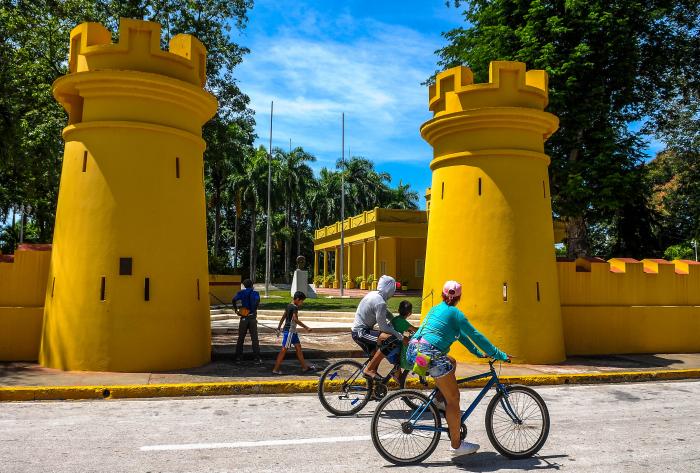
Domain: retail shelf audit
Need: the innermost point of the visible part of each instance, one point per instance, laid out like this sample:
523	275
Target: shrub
681	251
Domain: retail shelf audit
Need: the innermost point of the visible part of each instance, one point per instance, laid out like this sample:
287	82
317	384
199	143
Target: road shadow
250	369
492	461
620	361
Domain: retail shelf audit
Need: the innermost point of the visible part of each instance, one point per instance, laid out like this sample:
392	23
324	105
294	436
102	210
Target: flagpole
342	210
268	255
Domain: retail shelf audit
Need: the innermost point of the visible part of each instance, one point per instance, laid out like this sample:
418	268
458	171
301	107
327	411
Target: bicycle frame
383	379
494	381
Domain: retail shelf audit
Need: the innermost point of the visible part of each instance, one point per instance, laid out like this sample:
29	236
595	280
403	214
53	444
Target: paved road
647	427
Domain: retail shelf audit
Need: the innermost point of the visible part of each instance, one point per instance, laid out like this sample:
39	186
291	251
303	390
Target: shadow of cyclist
492	461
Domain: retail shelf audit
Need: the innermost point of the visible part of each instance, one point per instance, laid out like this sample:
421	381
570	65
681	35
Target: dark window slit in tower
53	285
125	265
102	288
538	292
197	288
177	168
84	161
442	195
147	289
479	186
505	292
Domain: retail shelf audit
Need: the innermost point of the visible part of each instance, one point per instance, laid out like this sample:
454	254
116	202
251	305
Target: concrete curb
50	393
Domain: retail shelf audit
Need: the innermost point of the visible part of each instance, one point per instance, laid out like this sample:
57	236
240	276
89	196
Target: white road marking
258	443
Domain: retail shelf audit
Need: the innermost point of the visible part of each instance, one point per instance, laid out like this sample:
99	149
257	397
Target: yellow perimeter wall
621	306
223	288
22	292
629	306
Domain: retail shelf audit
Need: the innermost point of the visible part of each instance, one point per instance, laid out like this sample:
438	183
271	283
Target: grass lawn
335	304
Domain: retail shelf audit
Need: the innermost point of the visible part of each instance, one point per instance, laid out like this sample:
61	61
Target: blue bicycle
406	426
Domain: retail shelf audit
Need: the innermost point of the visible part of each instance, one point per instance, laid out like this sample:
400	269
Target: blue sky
367	59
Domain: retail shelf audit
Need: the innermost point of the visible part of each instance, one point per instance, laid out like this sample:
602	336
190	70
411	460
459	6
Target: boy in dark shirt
245	303
290	318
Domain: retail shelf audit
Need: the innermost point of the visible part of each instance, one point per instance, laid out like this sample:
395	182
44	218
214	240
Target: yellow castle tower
490	225
127	288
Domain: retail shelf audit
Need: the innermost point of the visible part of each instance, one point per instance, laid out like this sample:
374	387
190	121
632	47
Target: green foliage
681	251
318	280
610	64
370	279
358	281
330	278
365	189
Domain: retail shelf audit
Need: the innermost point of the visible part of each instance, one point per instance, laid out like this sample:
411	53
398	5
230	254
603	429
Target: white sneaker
465	448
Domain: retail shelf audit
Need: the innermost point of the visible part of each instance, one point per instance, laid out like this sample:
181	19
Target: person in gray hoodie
372	311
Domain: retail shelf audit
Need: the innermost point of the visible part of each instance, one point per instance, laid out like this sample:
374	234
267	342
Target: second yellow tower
127	289
490	224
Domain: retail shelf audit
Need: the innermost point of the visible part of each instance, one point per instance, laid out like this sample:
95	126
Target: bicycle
343	389
517	421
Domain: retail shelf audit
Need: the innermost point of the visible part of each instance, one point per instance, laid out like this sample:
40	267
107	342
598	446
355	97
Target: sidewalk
321	349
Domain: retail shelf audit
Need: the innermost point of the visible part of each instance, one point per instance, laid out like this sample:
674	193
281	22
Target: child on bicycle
290	318
401	325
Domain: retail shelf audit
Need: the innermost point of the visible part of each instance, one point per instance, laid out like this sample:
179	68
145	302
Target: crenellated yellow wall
629	306
22	291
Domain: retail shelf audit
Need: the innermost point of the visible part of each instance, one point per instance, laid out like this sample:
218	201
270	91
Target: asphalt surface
644	427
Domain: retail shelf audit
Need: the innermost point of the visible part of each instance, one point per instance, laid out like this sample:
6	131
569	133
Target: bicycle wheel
395	437
512	439
342	389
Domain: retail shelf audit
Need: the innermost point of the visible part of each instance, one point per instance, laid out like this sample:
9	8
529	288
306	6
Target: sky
367	59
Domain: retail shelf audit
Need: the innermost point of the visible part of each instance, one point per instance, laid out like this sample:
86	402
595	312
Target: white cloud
318	68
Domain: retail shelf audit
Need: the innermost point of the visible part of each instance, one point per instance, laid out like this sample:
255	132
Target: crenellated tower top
138	49
509	85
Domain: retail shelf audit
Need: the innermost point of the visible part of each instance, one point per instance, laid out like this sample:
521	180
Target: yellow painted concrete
131	187
223	287
605	330
23	282
490	211
629	306
46	393
22	293
20	332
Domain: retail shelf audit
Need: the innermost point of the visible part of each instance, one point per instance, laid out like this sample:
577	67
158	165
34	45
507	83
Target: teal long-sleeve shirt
444	324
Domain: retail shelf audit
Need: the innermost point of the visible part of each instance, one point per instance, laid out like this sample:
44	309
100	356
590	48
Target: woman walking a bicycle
443	325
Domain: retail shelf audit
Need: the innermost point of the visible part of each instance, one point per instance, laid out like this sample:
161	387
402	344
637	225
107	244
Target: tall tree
33	50
296	176
610	63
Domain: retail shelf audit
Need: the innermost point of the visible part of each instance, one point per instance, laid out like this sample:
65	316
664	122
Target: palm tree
296	176
402	197
325	198
253	184
364	185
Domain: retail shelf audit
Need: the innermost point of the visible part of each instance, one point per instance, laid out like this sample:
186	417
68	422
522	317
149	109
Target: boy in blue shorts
290	318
